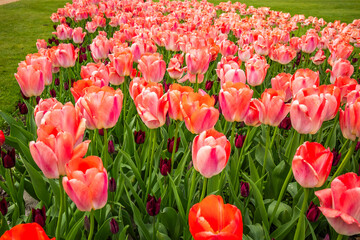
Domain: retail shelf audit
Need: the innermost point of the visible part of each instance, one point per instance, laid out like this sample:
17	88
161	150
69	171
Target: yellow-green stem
58	226
174	146
91	225
302	214
203	189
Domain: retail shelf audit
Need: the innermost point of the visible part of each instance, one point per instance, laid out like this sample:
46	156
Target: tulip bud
285	123
170	144
111	148
244	189
3	207
53	93
83	50
66	86
208	85
354	60
114	226
9	159
37	99
57	42
112	185
101	132
2	138
23	108
54	26
57	81
313	212
165	166
50	39
139	137
327	237
166	85
153	205
39	216
239	140
357	146
86	223
336	157
216	97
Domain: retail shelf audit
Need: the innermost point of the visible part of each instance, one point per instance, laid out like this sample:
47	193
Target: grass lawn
27	20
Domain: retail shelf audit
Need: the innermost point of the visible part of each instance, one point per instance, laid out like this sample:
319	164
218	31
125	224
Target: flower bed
180	120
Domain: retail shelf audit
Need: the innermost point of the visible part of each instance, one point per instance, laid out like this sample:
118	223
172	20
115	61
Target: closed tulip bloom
78	88
346	86
234	101
262	45
2	138
41	63
197	61
246	52
282	54
282	81
31	231
210	152
309	42
100	47
304	78
340	204
212	219
100	107
174	96
312	164
30	80
333	99
228	48
229	71
272	109
349	120
198	112
341	68
86	183
252	116
78	35
63	32
319	57
138	84
256	69
152	106
66	55
174	69
41	43
43	107
307	111
153	67
123	62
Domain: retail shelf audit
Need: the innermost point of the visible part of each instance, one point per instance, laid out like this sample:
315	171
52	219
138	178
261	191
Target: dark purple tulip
114	226
106	61
39	216
170	144
66	86
101	132
313	212
357	146
216	97
165	166
354	60
23	108
50	41
55	26
112	185
244	189
86	223
88	47
37	99
336	157
153	205
239	140
53	93
208	85
9	158
166	85
139	137
83	50
3	207
285	124
57	81
111	148
57	42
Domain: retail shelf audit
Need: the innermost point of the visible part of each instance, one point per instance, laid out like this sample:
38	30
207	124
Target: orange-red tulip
31	231
174	96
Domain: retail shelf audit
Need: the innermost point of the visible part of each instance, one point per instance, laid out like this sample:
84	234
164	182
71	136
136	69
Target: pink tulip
234	99
282	54
282	82
210	152
197	61
123	62
86	183
304	78
66	55
333	98
341	68
228	70
246	52
309	42
100	47
312	164
44	106
346	85
41	63
153	67
228	48
100	107
340	204
41	43
295	43
262	45
152	105
78	35
272	109
174	69
349	120
63	32
30	80
319	57
170	41
252	116
91	27
256	69
307	111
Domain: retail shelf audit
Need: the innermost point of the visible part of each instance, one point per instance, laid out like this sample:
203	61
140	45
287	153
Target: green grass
27	20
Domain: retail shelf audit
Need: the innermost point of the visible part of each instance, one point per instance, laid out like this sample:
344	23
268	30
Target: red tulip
312	164
86	183
2	138
340	204
29	231
212	219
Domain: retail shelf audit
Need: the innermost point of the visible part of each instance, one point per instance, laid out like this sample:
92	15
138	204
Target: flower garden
185	120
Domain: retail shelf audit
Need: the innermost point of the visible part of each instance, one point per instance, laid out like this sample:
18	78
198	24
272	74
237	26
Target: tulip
252	116
346	85
282	82
123	62
86	223
246	52
282	54
3	206
152	66
111	148
170	144
41	43
23	108
9	159
112	185
340	68
44	106
212	219
228	48
272	109
152	106
262	45
66	55
311	164
63	32
153	205
256	69
332	96
198	112
86	183
78	35
336	157
165	166
307	111
234	101
114	226
100	107
26	231
78	89
139	137
197	61
340	204
349	123
174	96
2	138
319	57
304	78
228	69
313	212
285	124
309	42
41	63
244	189
30	80
174	69
100	47
39	216
239	140
210	152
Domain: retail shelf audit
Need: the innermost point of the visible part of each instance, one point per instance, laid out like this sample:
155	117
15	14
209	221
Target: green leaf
134	169
3	224
177	199
104	231
122	235
170	218
75	230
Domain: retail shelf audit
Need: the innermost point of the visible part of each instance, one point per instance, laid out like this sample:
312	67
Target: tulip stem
105	150
154	228
58	226
150	164
336	120
191	193
196	84
232	134
91	224
94	147
174	146
301	221
203	189
242	151
344	162
273	138
282	191
339	237
267	144
125	98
